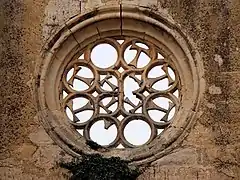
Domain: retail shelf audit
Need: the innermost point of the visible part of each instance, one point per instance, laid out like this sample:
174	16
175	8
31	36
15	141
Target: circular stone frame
85	29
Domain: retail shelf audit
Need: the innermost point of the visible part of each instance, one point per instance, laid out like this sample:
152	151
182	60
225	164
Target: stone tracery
101	91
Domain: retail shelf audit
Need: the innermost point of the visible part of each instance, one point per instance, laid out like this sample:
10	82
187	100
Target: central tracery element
130	81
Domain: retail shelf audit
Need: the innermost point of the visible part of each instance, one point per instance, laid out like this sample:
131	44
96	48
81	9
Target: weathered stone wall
212	149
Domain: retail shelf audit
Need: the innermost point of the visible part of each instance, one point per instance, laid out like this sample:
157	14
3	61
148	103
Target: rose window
120	92
124	77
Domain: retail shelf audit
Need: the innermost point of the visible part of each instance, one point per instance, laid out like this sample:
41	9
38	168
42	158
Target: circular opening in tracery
79	110
131	53
137	132
104	55
165	77
79	77
101	135
164	111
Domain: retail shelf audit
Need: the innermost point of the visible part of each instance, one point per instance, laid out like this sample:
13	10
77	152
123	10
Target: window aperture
120	92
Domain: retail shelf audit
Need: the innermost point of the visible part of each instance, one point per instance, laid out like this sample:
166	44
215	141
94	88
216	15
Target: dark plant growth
96	167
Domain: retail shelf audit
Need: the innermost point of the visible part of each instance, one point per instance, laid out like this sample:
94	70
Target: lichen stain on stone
211	106
218	59
215	90
56	13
